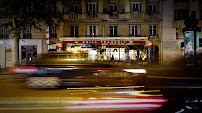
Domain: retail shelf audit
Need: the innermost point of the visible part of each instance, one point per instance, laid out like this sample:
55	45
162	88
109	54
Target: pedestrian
112	59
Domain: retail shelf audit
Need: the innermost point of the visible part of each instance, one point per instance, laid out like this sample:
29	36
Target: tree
26	13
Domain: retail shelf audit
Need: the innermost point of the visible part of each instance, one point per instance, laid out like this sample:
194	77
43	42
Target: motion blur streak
149	103
70	68
72	59
135	70
107	87
141	93
117	101
118	107
23	69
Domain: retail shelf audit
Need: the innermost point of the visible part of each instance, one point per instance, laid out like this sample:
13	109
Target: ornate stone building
113	27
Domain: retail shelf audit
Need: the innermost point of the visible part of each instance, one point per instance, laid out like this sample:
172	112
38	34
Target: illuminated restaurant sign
101	42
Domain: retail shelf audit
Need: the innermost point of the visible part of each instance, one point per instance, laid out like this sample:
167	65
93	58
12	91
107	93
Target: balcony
92	15
153	16
137	15
72	16
114	15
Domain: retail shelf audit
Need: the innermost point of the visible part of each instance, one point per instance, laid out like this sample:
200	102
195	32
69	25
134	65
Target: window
134	30
179	33
152	30
3	31
113	8
74	30
92	10
92	7
92	30
113	30
181	14
152	8
136	6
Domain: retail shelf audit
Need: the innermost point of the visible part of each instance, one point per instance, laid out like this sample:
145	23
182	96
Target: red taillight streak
24	67
118	101
116	106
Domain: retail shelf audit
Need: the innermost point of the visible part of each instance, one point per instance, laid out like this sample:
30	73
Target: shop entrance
29	55
130	51
110	52
8	56
154	54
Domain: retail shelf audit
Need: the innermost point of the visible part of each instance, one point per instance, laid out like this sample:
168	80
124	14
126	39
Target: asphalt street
16	97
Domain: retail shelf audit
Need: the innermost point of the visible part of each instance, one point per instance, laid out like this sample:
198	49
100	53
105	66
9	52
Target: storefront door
8	56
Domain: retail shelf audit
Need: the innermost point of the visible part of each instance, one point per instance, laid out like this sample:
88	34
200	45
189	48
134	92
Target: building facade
110	28
174	14
139	30
32	43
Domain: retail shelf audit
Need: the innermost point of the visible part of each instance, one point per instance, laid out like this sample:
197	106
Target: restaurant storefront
106	49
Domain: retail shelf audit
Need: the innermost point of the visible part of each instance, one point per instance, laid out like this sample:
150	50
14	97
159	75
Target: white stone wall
3	44
40	43
171	46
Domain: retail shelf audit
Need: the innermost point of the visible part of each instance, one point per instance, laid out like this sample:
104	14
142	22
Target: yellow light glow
140	93
71	59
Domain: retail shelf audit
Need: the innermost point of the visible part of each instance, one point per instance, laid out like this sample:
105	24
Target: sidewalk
5	71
